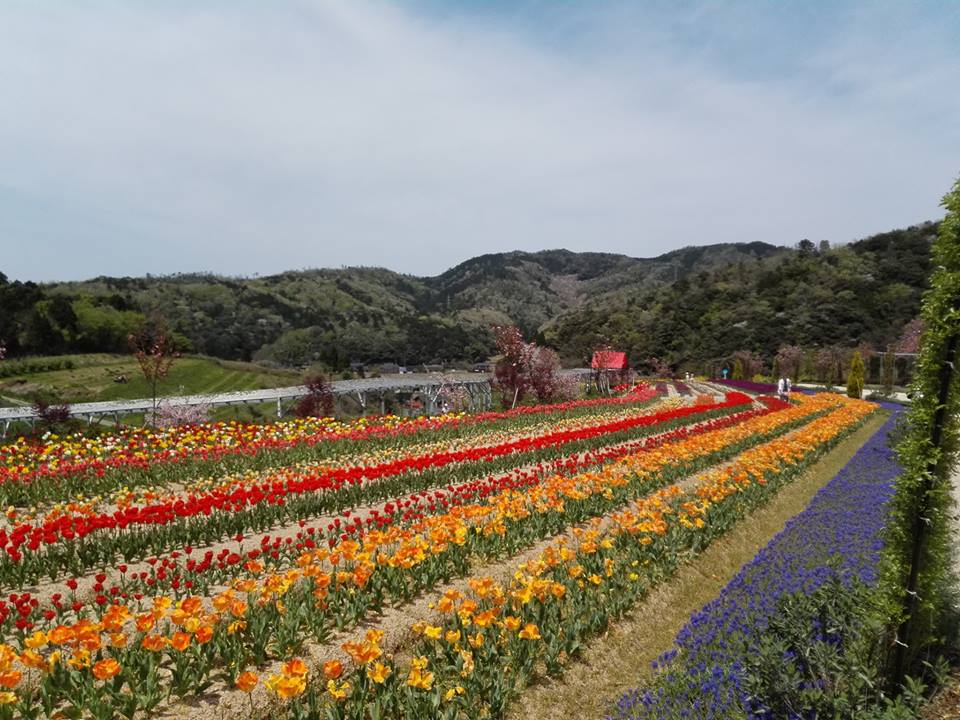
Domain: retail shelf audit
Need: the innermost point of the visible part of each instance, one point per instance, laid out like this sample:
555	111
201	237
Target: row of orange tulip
267	615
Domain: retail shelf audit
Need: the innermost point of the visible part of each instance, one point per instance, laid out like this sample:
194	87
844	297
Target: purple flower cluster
682	387
838	535
749	386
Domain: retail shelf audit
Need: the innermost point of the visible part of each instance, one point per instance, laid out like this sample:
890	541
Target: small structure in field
607	364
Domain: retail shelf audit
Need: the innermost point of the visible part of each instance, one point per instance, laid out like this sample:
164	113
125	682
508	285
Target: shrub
750	364
524	367
889	371
318	402
169	415
737	370
855	377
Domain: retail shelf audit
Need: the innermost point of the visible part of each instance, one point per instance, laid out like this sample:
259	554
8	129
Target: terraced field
90	378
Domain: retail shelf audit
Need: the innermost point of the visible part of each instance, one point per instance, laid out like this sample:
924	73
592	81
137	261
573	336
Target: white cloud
243	138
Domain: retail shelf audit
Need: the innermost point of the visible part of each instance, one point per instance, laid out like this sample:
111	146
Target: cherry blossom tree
155	350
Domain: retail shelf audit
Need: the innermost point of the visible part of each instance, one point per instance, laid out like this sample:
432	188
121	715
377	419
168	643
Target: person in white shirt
782	388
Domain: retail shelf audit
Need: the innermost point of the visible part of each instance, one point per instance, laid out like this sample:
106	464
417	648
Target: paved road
340	387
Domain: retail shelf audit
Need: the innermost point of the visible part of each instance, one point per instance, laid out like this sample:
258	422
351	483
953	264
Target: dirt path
620	659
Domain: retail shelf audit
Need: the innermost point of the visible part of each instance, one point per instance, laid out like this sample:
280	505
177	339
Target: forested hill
338	316
814	296
693	302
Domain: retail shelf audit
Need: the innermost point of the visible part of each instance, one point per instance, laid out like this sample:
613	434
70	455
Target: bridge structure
369	393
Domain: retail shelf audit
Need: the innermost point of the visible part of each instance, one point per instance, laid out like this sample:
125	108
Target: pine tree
889	365
737	369
855	378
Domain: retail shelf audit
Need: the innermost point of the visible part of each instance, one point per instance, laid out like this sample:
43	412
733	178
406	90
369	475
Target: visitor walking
782	388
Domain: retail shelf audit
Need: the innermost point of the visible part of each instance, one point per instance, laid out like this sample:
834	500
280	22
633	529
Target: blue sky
245	137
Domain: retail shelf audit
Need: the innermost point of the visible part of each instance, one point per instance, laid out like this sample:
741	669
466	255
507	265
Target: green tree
889	370
855	376
807	372
737	373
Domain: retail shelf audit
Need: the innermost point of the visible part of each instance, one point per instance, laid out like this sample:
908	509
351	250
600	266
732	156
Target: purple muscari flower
838	535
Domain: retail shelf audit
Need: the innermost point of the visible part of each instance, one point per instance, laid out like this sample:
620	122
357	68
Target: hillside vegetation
813	296
689	304
88	378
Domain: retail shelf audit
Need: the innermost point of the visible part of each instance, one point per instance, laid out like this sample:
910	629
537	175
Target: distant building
607	364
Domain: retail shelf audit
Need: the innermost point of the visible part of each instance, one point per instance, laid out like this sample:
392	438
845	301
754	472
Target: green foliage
918	538
737	373
865	291
807	371
855	377
889	371
690	307
87	378
818	658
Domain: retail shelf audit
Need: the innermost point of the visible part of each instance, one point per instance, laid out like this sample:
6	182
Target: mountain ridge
374	314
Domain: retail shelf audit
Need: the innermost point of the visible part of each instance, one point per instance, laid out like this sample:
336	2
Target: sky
240	137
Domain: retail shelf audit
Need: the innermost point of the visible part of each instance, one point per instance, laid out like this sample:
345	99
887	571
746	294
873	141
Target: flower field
381	568
721	664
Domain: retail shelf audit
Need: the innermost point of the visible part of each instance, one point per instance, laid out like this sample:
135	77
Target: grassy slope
620	660
92	378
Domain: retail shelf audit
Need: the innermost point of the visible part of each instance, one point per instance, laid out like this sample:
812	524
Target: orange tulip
154	643
180	641
60	635
378	672
106	669
287	686
419	676
530	632
247	681
362	653
191	605
145	622
31	658
295	667
333	669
